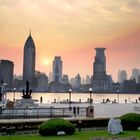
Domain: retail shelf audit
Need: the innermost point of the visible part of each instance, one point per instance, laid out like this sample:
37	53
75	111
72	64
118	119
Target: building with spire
29	60
101	82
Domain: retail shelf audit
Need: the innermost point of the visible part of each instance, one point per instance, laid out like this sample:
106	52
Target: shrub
52	126
89	123
130	121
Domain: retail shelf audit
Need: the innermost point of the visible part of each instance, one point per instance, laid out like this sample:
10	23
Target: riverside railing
50	112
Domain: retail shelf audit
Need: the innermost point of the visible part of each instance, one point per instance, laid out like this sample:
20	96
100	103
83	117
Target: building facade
65	79
122	75
6	73
77	81
42	82
135	74
57	69
101	82
29	60
88	79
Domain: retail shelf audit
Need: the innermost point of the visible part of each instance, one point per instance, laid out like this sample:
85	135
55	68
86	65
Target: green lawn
83	135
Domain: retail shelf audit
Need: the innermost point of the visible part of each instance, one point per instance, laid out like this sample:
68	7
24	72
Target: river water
97	97
100	109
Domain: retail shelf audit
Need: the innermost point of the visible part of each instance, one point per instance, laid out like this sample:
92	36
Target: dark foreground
82	135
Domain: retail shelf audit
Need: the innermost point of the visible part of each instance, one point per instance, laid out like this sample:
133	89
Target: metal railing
23	113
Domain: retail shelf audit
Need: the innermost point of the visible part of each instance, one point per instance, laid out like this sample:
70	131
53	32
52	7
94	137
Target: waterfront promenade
103	109
100	110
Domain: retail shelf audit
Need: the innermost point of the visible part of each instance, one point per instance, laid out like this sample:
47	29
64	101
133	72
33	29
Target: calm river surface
97	97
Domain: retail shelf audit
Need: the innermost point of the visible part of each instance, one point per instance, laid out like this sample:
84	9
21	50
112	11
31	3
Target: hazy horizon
72	29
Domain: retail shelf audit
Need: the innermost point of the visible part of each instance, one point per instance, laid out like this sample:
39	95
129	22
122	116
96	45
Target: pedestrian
41	99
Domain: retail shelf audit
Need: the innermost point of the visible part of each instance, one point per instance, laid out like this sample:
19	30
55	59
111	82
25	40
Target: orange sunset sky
72	29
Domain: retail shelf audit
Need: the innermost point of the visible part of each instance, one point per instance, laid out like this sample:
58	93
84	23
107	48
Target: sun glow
46	62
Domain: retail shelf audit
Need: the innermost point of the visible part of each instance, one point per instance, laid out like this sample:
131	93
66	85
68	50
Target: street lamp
118	95
14	89
90	91
70	99
3	92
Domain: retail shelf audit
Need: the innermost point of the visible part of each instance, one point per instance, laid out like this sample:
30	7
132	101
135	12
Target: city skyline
68	29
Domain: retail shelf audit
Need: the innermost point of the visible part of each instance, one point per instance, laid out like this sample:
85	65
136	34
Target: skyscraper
50	78
29	60
6	73
42	82
77	80
57	69
122	75
135	74
88	79
101	82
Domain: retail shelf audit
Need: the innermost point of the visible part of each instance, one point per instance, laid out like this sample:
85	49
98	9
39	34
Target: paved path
100	111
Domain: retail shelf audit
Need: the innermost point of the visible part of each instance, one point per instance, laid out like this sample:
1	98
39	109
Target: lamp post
14	89
118	95
70	99
4	93
90	91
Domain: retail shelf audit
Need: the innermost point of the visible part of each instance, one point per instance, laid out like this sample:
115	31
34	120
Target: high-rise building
65	79
50	78
78	80
29	60
101	82
6	73
83	81
72	82
122	75
119	76
135	74
88	79
57	69
42	82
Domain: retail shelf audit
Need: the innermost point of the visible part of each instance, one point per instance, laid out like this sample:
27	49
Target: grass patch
83	135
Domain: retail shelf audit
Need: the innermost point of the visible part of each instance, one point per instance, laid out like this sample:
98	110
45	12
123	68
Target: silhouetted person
107	100
125	100
74	110
41	99
54	100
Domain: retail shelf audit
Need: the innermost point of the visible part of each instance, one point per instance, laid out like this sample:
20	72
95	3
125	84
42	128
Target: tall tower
57	69
101	82
135	74
100	63
29	60
122	76
6	73
77	80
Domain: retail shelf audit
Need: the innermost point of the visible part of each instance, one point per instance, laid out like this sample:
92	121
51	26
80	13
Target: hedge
52	126
130	121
